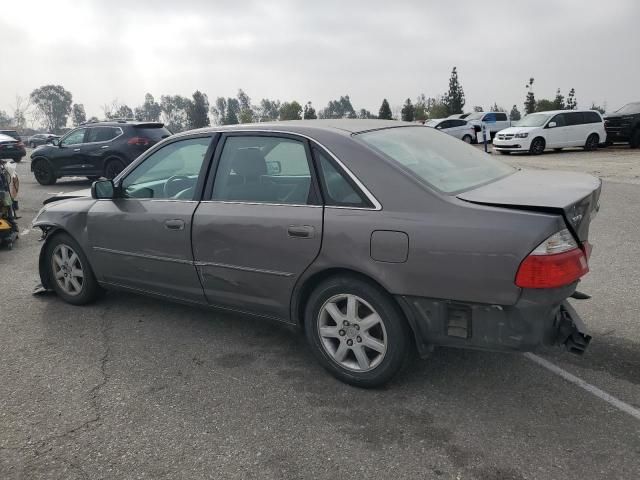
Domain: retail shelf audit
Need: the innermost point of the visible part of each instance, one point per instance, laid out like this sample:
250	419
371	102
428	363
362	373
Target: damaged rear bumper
523	327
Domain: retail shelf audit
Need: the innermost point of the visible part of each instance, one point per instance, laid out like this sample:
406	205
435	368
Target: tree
497	108
20	112
290	111
5	120
198	110
149	111
225	111
55	104
124	112
544	105
245	111
436	108
93	120
572	102
530	101
365	114
408	112
268	111
174	112
597	108
385	111
309	112
454	98
341	108
558	102
514	115
78	114
420	112
478	108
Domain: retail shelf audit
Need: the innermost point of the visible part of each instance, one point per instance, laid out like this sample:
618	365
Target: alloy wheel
352	333
67	270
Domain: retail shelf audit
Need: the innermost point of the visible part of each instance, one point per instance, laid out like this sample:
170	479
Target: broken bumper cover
523	327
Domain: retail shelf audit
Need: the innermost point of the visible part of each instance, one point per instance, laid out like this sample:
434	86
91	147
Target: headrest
249	162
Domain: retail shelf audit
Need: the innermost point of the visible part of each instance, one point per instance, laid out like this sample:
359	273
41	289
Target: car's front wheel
70	274
537	146
356	331
43	172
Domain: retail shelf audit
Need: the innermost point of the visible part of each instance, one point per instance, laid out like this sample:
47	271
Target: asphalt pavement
133	387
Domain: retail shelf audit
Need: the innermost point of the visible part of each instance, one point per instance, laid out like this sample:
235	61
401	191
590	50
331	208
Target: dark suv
95	150
13	150
624	125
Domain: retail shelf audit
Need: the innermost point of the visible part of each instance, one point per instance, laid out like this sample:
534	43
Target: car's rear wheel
43	172
467	139
592	143
69	271
113	168
537	146
356	331
635	139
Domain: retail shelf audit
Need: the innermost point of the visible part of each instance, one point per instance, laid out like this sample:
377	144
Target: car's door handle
105	146
174	224
301	231
76	149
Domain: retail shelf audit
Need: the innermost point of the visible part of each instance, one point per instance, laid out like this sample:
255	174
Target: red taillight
140	141
556	262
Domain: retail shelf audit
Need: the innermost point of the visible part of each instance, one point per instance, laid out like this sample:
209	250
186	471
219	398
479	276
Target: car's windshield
630	108
475	116
438	160
533	120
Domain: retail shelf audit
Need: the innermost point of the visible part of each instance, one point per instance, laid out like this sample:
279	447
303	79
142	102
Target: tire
43	172
634	142
112	168
32	145
382	347
592	142
557	149
17	160
504	152
63	256
467	139
537	146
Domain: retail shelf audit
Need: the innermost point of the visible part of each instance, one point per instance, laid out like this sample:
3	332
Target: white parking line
619	404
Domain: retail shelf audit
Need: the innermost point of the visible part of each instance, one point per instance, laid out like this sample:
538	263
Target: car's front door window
74	138
169	173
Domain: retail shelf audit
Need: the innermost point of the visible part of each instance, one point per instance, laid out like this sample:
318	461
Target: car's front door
556	137
260	226
142	239
69	156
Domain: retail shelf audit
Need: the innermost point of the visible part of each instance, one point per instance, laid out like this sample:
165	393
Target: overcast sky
303	50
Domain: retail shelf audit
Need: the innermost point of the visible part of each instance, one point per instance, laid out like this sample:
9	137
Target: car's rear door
260	224
98	144
576	129
142	240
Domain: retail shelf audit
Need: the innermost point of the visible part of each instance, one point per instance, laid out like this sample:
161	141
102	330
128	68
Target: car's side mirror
55	142
552	125
103	190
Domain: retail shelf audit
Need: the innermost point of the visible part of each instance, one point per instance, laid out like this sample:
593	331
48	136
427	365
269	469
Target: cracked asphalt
133	387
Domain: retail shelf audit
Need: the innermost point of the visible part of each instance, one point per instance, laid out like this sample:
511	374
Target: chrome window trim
272	204
356	180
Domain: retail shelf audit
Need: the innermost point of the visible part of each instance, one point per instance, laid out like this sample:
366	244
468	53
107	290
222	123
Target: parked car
624	125
454	127
495	121
94	150
11	148
374	237
461	116
555	129
41	139
11	133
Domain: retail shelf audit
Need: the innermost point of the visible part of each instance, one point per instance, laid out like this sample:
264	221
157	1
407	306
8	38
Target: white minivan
556	129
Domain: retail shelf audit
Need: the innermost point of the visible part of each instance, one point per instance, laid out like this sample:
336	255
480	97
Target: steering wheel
173	185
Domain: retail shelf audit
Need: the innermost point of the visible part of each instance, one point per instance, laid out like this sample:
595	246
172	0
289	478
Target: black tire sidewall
397	330
588	146
51	178
532	150
109	163
90	287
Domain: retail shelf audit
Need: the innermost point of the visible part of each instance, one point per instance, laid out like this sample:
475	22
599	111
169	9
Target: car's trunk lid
574	195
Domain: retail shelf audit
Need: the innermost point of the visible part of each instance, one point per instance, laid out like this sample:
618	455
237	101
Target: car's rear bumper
525	326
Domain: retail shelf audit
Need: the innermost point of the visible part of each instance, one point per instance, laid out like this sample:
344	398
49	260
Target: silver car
455	127
374	237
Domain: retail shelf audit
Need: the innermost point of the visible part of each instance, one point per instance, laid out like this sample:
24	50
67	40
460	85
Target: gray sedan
374	237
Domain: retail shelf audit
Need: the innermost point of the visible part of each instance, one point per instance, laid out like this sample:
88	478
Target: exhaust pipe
571	330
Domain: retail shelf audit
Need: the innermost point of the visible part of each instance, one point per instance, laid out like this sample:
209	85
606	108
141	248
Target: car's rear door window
102	134
441	161
263	169
337	189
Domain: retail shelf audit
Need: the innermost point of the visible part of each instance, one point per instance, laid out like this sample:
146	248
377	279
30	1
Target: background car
454	127
459	115
555	129
624	125
41	139
374	237
11	148
495	121
95	149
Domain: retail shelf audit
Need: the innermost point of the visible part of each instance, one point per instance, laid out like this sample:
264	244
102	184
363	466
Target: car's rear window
440	160
11	133
154	133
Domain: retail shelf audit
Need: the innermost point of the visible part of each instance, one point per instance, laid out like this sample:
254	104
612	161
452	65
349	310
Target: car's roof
344	126
8	130
119	123
555	112
6	138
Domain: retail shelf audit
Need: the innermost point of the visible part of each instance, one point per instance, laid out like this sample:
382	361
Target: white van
556	129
